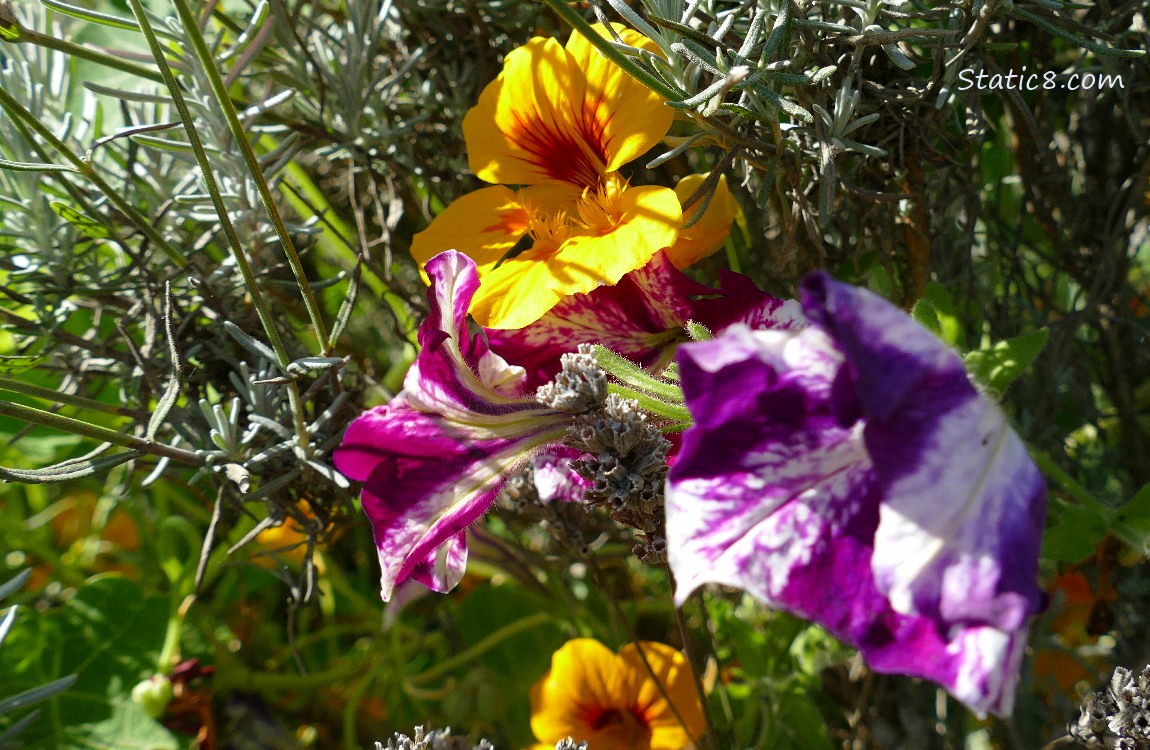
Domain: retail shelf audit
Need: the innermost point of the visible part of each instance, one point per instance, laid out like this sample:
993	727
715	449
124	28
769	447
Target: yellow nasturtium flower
557	124
611	701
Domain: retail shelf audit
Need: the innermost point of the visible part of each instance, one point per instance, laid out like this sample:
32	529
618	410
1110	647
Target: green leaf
926	316
801	718
83	223
1132	521
1073	536
14	363
944	309
519	661
109	635
1000	365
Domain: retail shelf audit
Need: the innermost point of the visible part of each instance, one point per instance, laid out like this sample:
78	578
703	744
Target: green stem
467	656
696	674
219	89
262	309
572	17
171	646
103	434
16	111
636	377
1095	47
48	394
27	36
1056	474
243	679
676	412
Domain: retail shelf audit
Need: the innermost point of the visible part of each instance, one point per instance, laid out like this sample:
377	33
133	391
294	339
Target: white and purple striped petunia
433	459
850	473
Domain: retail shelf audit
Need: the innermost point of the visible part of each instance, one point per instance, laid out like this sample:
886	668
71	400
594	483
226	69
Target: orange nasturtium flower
611	702
558	123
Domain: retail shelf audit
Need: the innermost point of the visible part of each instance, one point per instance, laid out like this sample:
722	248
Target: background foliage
204	275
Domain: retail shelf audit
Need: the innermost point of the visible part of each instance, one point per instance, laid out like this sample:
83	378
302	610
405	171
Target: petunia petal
641	318
434	458
746	517
842	472
964	505
554	478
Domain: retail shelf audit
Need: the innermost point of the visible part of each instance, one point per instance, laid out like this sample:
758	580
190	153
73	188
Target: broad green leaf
1132	521
109	635
1000	365
944	308
926	316
1073	536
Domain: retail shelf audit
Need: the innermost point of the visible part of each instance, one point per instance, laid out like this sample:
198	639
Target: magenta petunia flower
642	317
850	473
433	459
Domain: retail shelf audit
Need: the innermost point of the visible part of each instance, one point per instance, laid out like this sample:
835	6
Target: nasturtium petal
624	115
707	235
528	125
611	700
638	222
646	220
483	225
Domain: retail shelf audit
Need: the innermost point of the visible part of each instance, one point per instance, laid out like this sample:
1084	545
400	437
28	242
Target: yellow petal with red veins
528	126
708	234
672	670
521	290
628	117
583	677
612	702
482	225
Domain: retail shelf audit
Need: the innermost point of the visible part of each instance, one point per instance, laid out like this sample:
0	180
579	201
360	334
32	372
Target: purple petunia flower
850	473
433	459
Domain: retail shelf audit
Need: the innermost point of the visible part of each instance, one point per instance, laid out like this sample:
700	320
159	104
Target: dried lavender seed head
580	387
1119	718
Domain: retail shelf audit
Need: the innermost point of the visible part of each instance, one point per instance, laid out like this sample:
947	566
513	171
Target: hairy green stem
48	394
220	91
27	36
103	434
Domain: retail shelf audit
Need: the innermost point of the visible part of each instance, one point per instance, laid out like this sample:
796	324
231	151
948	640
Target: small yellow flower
611	701
558	123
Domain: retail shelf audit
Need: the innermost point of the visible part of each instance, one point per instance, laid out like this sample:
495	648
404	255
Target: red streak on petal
560	154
